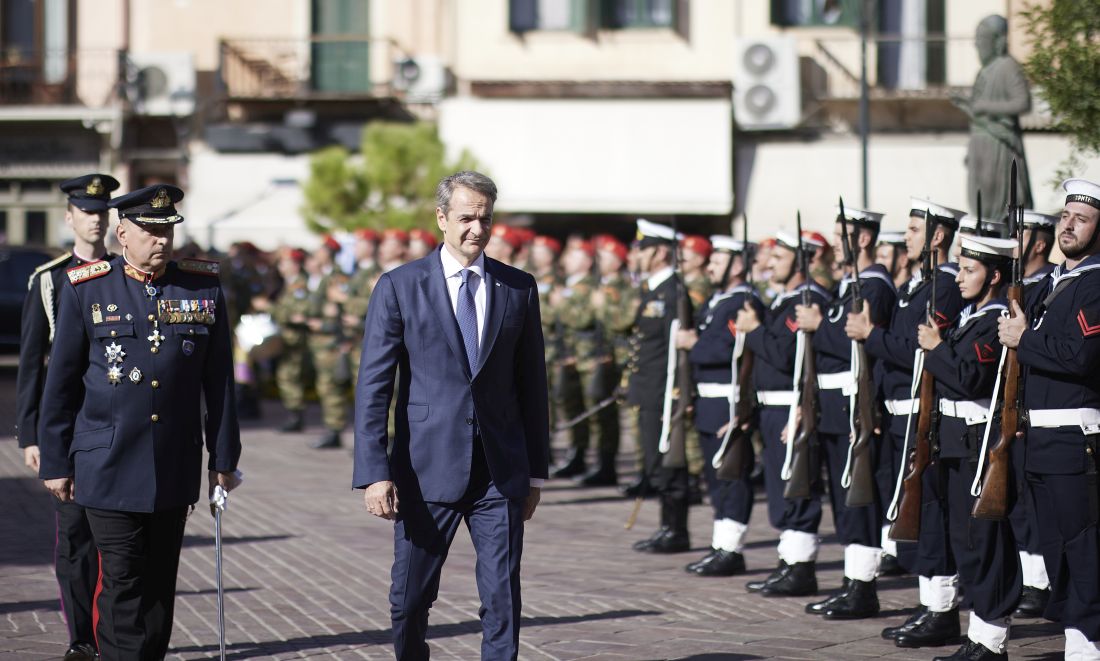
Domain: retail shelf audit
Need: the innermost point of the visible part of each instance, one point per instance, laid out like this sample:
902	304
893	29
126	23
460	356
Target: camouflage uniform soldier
333	369
289	312
544	255
573	322
354	301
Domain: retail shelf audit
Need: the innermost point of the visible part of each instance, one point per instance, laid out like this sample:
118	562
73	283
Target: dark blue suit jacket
411	329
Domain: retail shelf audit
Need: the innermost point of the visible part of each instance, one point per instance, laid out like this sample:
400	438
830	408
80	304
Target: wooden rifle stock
993	501
906	527
802	459
738	449
676	457
861	491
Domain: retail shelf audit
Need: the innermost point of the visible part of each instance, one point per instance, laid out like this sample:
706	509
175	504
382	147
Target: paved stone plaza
307	575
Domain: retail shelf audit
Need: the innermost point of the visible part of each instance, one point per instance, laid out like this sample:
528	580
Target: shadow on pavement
382	637
22	606
204	540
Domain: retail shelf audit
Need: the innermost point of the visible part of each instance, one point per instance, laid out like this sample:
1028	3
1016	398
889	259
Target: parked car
17	263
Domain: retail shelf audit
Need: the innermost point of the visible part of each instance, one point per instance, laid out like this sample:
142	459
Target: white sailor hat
941	214
892	238
995	228
968	224
988	249
787	240
1082	190
650	233
721	242
861	216
1040	220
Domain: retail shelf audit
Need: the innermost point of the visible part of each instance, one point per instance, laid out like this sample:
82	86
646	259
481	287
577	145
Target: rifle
674	442
859	472
729	462
799	473
906	526
992	495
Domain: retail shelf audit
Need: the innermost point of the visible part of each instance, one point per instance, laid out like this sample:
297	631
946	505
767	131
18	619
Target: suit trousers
139	555
854	525
731	499
802	514
423	534
76	564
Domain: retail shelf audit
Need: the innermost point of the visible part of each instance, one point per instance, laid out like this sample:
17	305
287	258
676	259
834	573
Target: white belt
974	412
715	390
902	406
777	397
836	381
1087	419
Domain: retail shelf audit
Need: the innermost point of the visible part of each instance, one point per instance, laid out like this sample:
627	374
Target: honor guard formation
936	384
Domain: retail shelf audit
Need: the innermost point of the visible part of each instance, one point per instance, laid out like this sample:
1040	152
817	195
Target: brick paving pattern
307	576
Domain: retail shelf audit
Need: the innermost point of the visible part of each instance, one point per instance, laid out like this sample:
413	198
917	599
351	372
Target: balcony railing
322	66
48	78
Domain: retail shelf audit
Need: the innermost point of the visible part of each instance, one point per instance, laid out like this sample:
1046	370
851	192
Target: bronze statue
999	96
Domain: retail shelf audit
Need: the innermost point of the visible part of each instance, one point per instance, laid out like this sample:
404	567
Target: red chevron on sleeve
941	319
985	353
732	325
1086	329
791	324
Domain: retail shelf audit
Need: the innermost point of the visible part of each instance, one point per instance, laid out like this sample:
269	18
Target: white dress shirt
452	271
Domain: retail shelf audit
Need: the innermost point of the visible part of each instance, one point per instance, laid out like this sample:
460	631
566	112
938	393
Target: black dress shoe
933	630
644	544
780	572
571	467
673	541
692	566
971	651
722	563
601	476
819	607
293	423
889	566
1033	602
799	581
80	652
858	603
329	441
889	632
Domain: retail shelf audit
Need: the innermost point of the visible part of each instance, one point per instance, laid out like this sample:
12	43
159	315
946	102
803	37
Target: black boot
800	581
572	466
329	441
692	566
819	607
971	651
293	422
80	652
722	563
603	475
858	603
889	566
933	630
1033	602
645	544
676	539
780	572
889	632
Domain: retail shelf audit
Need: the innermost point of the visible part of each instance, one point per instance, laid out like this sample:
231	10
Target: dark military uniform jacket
37	329
712	356
965	368
121	410
895	346
834	348
1060	357
774	341
648	366
1037	277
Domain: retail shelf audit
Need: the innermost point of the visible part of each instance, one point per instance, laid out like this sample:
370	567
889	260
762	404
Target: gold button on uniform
155	417
191	331
155	383
114	333
150	317
154	349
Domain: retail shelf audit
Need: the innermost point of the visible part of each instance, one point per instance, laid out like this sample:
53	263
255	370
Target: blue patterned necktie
467	318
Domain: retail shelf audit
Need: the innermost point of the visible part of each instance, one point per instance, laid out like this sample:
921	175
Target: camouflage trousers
290	376
333	381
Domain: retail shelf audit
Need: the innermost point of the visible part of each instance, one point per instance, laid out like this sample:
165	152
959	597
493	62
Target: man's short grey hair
466	179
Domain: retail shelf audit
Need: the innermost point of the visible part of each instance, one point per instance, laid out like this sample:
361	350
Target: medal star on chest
114	353
156	338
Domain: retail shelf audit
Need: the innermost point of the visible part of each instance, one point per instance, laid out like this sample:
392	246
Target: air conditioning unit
766	85
422	79
162	83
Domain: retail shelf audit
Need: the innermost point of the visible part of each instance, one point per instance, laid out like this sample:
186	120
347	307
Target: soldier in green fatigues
544	255
694	254
289	312
354	301
325	339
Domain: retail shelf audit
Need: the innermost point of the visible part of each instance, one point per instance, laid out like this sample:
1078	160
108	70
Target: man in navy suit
471	423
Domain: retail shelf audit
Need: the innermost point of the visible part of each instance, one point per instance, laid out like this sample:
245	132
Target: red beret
423	235
367	234
509	235
297	254
396	234
547	241
331	243
697	244
608	243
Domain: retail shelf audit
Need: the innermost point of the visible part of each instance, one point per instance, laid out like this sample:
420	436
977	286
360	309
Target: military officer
289	312
859	528
332	366
647	385
772	339
75	561
1057	341
711	350
122	421
964	364
894	347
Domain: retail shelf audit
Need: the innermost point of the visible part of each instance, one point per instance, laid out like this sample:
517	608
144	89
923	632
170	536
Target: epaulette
90	271
200	266
57	261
